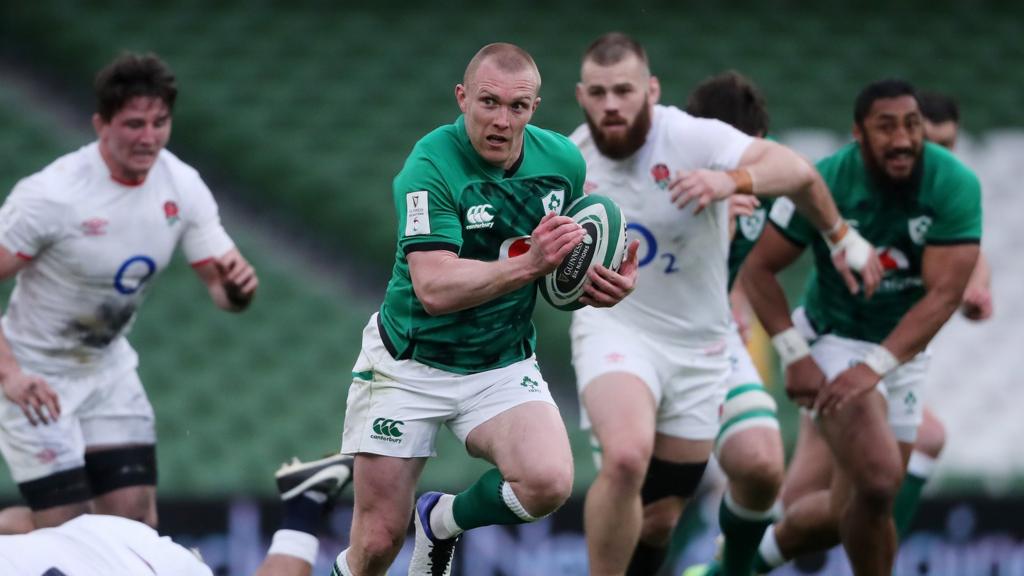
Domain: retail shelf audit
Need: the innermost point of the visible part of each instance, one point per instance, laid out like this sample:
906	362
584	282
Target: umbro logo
479	217
94	227
387	430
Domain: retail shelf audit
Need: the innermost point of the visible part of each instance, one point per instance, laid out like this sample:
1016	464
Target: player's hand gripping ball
604	244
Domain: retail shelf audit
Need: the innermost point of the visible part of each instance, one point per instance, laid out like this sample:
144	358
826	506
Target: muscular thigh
523	440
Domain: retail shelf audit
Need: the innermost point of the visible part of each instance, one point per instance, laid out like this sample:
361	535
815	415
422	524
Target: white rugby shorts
742	368
396	407
902	388
688	385
104	407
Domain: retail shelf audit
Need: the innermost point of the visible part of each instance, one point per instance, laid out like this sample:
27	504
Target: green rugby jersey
944	210
748	230
447	197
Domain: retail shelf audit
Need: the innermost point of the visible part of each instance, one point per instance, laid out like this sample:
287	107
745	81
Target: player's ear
536	103
97	123
858	134
460	97
654	91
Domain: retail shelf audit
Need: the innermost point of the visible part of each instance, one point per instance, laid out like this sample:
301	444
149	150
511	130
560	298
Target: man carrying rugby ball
453	342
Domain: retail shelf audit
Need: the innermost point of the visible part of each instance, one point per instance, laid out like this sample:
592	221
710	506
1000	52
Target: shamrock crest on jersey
553	201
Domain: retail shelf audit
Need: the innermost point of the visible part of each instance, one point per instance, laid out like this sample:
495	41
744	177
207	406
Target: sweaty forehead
629	70
490	78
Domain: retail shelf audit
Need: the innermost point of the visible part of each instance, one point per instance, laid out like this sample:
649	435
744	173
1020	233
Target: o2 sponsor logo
133	274
648	254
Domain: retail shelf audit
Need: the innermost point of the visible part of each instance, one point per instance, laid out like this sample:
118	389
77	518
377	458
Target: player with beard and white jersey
85	237
652	399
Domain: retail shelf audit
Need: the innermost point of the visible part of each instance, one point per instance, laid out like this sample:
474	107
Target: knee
660	519
378	542
759	478
545	490
877	490
626	465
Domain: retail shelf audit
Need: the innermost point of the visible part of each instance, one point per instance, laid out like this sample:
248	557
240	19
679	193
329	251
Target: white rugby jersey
96	545
680	292
95	247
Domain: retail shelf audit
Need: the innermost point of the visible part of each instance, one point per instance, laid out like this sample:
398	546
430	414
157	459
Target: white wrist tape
791	346
881	360
857	248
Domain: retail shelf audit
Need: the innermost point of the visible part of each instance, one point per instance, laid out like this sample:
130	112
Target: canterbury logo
387	429
479	217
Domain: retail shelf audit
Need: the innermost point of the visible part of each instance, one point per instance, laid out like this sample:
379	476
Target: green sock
743	530
906	502
482	504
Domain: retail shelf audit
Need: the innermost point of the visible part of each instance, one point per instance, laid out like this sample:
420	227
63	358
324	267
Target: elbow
949	301
434	302
804	174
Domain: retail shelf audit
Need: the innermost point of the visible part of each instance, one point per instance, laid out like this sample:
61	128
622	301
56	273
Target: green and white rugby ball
604	244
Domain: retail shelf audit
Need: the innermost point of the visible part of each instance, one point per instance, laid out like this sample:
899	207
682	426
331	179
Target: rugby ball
604	244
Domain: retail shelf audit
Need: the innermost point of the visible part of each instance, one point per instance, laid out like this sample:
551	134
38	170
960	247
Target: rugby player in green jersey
942	126
479	205
922	208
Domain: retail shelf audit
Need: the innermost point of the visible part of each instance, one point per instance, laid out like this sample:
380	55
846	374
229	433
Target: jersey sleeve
957	219
790	223
204	237
29	221
428	217
724	144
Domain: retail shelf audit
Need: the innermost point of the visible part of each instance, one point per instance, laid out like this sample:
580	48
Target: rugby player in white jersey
103	545
85	237
652	372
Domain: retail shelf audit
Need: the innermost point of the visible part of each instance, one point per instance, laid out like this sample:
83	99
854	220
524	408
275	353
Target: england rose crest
661	175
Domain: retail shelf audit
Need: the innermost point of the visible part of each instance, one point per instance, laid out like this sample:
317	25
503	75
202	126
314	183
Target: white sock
341	565
921	464
769	549
301	545
442	518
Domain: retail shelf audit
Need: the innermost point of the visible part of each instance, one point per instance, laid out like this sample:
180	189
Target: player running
86	237
921	206
652	400
453	343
